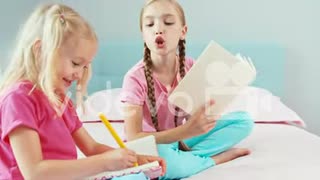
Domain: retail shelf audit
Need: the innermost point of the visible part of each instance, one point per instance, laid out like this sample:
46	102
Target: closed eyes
149	25
77	64
169	23
166	23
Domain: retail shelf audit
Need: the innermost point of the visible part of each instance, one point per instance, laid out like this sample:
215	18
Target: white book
217	74
143	146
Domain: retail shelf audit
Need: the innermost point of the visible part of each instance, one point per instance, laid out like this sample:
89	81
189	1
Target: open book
142	146
217	74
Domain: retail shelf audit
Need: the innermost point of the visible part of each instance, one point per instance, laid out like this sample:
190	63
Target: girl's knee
245	122
241	120
177	169
182	164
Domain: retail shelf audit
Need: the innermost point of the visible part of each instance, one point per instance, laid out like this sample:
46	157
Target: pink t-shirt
19	108
134	91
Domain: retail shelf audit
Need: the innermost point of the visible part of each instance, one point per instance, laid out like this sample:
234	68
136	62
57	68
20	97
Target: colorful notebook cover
151	170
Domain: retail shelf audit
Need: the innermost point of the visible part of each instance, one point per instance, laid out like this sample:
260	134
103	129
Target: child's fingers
132	160
130	152
211	102
211	119
202	110
208	104
163	165
130	156
148	159
144	159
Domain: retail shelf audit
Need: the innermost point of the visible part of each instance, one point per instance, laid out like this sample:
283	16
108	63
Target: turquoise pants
139	176
230	129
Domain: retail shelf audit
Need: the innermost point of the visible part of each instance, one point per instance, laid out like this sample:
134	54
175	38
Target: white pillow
263	106
260	103
105	101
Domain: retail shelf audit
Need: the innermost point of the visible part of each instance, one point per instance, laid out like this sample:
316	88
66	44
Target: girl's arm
26	147
197	124
90	147
133	127
87	144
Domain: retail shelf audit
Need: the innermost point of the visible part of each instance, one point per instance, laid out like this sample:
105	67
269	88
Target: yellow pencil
113	132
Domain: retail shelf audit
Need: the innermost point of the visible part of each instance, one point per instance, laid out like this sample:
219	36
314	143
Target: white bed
281	148
278	151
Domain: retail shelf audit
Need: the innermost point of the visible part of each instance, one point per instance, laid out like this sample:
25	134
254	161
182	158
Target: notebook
217	74
143	146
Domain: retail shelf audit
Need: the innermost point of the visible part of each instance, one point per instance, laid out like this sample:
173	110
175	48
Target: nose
158	28
77	75
159	32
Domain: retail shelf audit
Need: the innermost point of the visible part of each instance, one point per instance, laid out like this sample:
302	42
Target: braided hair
150	82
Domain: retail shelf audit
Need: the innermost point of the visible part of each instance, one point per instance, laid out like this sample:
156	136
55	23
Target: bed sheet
278	151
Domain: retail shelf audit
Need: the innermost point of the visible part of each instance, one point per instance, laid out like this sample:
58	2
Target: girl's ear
184	32
36	49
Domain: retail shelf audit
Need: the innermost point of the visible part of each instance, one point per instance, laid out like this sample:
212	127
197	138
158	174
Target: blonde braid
150	83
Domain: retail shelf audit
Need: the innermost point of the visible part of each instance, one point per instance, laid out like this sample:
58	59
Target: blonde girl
39	127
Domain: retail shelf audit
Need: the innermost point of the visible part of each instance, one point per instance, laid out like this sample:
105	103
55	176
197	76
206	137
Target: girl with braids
39	127
200	142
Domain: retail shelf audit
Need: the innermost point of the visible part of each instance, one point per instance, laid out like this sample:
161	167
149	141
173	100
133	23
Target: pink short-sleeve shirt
134	91
19	108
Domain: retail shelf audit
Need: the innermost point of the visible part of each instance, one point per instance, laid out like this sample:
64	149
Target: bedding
278	151
260	103
105	101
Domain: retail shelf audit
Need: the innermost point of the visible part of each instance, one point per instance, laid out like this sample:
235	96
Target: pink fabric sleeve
17	110
132	90
71	118
189	63
78	124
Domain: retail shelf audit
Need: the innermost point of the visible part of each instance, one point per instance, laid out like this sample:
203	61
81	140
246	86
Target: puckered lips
160	43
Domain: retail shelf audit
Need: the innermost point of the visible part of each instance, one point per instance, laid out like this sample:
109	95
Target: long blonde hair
148	64
52	25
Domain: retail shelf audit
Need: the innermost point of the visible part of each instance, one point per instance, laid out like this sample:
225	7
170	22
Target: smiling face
74	57
162	27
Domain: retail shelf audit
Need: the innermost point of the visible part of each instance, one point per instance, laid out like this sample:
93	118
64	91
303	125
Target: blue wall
294	25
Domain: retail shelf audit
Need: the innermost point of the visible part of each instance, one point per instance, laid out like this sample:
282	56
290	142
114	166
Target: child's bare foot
230	155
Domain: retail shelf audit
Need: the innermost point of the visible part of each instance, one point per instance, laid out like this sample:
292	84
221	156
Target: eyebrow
164	15
79	58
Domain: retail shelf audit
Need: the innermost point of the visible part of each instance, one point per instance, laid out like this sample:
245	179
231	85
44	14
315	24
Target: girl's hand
142	159
200	123
119	159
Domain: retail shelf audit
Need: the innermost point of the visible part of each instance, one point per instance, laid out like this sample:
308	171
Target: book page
144	146
217	74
